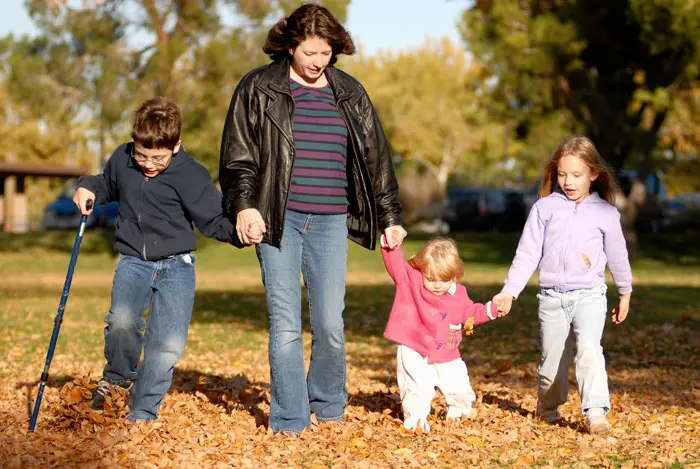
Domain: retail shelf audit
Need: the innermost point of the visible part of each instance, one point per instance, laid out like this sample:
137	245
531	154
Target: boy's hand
394	236
80	199
244	219
504	302
254	233
620	313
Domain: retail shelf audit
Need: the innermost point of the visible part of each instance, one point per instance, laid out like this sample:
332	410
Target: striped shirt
319	181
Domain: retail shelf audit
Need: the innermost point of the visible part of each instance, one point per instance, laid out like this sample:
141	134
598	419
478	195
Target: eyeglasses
156	160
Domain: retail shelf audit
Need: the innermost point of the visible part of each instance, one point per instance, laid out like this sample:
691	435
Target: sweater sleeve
615	249
479	311
395	264
528	254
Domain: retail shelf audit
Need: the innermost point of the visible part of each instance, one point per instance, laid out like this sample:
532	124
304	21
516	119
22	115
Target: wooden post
10	190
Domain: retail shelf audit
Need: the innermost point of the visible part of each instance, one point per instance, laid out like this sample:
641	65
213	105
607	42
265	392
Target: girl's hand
620	313
504	302
394	236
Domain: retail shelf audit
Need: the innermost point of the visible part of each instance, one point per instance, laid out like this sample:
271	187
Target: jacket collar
276	78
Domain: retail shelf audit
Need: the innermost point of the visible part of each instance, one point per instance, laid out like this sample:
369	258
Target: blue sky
375	24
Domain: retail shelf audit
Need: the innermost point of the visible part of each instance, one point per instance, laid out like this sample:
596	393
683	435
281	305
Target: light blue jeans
167	287
579	316
315	246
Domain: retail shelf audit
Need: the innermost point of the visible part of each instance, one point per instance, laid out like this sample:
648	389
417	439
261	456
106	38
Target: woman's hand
250	226
394	236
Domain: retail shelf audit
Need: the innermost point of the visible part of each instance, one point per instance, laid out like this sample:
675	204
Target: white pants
417	381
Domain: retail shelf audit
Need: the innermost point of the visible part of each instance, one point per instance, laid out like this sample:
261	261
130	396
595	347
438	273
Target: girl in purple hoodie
572	232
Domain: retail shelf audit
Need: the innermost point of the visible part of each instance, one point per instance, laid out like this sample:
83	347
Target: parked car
475	208
62	213
682	213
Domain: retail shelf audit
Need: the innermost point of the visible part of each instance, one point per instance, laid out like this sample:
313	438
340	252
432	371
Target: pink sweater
429	324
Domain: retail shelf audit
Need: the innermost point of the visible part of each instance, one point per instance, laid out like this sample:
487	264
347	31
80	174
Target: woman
304	157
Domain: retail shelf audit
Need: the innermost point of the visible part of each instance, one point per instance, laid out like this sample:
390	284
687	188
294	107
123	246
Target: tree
102	58
607	69
429	101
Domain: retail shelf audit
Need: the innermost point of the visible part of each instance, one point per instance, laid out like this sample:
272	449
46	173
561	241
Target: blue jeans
579	316
316	246
167	287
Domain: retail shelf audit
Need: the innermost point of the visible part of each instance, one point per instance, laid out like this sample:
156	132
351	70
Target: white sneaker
454	413
597	423
421	423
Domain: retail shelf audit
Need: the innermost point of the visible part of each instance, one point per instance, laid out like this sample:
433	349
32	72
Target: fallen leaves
216	412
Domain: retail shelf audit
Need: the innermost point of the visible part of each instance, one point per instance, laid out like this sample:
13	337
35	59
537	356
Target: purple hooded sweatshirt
570	244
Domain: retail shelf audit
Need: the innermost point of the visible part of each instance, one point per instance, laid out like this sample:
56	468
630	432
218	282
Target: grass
227	347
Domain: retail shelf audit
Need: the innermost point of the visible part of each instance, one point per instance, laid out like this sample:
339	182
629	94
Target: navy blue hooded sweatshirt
156	214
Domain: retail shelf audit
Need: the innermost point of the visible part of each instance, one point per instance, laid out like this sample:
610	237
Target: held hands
504	302
394	236
250	226
620	313
80	199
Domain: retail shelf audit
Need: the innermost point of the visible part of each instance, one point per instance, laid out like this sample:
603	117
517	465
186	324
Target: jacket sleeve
479	311
615	249
528	254
239	162
381	169
395	264
202	202
103	185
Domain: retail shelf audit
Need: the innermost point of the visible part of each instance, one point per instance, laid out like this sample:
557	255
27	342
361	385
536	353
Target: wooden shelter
14	213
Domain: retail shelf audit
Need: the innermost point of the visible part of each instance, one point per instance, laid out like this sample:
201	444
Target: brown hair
583	148
439	259
307	21
157	124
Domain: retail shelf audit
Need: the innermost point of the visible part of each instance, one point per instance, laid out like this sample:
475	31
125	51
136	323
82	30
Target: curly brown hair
157	124
583	148
307	21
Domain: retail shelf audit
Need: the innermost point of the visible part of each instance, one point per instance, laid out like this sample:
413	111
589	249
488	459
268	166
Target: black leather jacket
257	154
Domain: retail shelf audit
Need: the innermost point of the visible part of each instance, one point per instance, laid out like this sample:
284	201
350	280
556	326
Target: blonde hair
439	259
581	147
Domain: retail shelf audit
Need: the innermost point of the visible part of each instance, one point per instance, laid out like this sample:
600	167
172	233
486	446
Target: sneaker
597	423
549	416
421	423
456	413
102	389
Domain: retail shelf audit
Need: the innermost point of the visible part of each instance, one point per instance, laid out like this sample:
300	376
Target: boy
161	190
